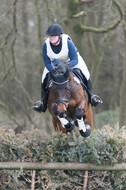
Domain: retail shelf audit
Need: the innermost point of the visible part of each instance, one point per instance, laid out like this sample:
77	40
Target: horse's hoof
70	126
88	131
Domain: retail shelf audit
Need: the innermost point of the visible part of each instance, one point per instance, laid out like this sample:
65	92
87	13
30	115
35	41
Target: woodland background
98	29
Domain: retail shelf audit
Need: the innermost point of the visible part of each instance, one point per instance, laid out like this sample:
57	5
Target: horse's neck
74	79
71	78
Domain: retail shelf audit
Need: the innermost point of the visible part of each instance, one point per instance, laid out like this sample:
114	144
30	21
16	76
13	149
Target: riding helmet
54	30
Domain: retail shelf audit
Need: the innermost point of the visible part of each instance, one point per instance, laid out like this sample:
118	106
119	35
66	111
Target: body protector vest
63	54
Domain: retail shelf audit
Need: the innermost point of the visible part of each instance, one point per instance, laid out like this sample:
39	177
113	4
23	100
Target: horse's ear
66	73
52	73
68	66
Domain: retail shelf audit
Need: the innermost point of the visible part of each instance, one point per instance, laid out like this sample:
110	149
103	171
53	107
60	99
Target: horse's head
60	89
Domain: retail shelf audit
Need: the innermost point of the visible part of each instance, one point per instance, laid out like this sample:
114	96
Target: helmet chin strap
57	41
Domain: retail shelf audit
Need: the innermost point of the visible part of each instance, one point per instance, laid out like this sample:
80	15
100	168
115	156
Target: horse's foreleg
84	129
57	125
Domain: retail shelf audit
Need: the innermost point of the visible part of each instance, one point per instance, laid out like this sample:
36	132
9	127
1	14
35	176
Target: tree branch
81	13
39	32
15	33
5	107
85	1
85	180
33	180
6	74
81	28
24	90
61	166
4	44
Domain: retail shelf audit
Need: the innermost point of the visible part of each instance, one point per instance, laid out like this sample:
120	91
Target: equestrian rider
59	46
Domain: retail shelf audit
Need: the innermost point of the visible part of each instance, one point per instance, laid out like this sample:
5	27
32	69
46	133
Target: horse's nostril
62	114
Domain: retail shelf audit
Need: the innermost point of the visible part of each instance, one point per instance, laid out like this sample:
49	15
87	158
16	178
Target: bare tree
122	118
94	30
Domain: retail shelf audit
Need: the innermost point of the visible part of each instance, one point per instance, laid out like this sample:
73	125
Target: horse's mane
60	73
61	68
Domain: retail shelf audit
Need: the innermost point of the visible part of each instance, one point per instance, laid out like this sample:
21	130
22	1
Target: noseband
63	100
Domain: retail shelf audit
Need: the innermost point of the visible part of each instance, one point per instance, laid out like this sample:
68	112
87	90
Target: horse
68	102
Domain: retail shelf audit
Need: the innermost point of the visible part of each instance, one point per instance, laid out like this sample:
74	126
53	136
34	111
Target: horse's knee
78	113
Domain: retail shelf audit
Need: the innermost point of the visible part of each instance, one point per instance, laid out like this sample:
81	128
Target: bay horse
68	102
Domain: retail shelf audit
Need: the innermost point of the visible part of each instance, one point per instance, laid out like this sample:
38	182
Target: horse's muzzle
62	114
59	113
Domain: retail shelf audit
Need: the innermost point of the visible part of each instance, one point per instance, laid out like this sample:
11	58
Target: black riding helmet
54	30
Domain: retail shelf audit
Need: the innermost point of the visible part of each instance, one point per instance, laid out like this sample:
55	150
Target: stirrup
38	106
95	100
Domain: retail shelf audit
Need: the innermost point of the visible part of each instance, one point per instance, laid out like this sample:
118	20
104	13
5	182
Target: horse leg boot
41	106
94	99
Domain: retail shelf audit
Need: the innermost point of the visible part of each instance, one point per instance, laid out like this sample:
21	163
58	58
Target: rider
59	46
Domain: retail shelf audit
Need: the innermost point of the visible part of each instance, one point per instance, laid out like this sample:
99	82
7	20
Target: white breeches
44	74
81	65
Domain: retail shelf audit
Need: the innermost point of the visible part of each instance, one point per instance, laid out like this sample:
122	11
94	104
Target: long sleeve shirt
72	53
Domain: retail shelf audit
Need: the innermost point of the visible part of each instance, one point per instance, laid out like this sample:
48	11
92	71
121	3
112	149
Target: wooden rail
60	166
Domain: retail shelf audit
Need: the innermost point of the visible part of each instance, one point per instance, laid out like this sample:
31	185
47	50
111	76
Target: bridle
63	100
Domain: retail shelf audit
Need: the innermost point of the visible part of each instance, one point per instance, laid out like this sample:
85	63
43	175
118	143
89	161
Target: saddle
78	73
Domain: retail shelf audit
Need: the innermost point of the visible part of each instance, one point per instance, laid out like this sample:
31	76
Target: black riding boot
41	105
94	99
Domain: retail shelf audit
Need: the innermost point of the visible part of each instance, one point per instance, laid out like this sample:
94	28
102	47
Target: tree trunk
122	115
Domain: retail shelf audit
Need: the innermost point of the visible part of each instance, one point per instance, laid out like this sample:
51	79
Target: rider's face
53	39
